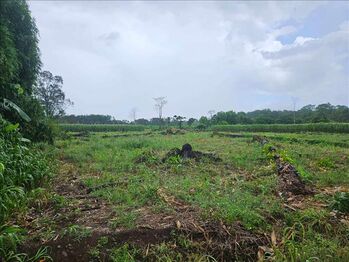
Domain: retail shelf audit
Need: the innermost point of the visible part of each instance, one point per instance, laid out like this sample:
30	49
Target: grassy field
124	198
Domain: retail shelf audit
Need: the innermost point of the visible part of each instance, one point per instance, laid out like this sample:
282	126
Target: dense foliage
278	128
19	67
22	168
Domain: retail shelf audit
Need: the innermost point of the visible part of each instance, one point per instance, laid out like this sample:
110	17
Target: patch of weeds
38	198
124	253
10	237
124	219
306	176
174	160
340	202
77	232
164	252
326	163
266	170
134	143
40	255
260	186
95	251
147	157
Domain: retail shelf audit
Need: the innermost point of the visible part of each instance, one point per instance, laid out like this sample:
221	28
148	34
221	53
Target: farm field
128	196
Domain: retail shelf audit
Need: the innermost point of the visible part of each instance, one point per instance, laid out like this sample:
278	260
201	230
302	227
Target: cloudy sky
201	56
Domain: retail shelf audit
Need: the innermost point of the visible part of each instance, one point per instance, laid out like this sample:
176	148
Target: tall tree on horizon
50	94
160	102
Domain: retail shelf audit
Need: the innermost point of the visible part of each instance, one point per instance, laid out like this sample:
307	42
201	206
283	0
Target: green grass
240	188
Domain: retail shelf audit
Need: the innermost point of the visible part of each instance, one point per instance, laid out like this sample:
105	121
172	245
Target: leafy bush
341	202
22	168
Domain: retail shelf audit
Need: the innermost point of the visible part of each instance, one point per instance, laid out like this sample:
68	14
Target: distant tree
142	121
191	121
155	121
204	121
179	119
50	94
133	114
160	102
211	113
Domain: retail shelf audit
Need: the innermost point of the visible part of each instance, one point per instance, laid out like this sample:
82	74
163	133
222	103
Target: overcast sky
201	56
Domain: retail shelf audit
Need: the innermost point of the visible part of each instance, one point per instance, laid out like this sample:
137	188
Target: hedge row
100	127
286	128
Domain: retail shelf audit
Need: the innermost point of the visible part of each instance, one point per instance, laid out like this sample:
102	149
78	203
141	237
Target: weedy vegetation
195	206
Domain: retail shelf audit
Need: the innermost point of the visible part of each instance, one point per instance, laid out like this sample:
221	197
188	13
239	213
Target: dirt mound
289	180
187	152
260	139
226	242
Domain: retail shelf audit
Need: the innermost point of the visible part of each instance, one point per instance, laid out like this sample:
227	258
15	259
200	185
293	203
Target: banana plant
8	105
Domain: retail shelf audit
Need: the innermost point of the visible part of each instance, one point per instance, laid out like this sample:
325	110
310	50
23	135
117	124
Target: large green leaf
9	104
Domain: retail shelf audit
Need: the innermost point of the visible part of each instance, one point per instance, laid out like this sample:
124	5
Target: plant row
101	127
286	128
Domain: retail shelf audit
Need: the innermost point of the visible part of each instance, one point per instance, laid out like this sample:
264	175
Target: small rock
65	254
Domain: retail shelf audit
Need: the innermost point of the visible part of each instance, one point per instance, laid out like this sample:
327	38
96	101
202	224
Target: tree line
322	113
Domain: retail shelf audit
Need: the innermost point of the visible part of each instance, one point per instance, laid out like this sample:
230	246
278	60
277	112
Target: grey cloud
110	38
114	56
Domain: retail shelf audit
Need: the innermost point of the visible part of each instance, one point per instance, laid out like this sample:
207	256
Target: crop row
100	127
288	128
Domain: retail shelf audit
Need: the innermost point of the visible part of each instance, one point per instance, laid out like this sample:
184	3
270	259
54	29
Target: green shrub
22	168
341	202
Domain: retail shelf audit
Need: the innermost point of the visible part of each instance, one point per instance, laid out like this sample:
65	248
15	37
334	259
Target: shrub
22	168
